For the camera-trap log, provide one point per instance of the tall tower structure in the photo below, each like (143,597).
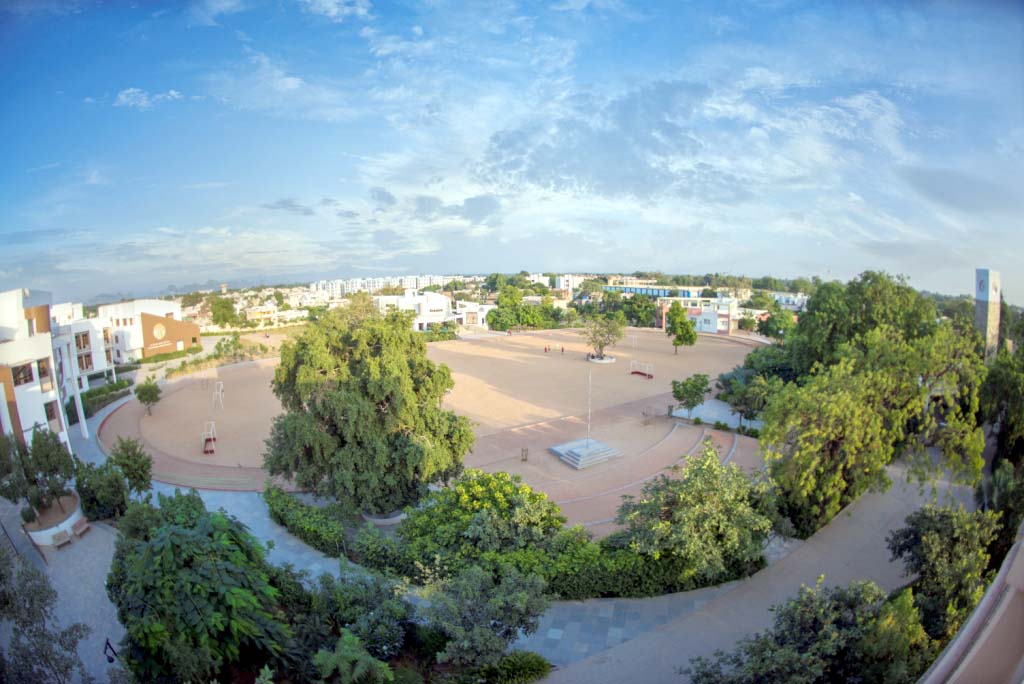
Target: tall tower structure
(987,296)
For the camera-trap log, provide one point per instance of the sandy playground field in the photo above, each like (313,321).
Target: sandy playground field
(517,395)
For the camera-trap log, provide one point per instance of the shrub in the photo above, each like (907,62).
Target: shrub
(426,641)
(403,675)
(483,615)
(370,607)
(102,490)
(480,513)
(698,421)
(518,667)
(312,525)
(28,514)
(719,425)
(382,553)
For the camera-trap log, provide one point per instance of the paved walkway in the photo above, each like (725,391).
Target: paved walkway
(851,547)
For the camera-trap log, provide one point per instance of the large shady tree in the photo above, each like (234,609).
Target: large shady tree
(363,420)
(602,331)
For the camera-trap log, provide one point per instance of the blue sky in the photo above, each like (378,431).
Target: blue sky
(169,143)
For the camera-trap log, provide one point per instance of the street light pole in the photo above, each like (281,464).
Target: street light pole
(590,394)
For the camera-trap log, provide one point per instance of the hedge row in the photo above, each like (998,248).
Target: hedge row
(172,355)
(574,567)
(312,525)
(95,399)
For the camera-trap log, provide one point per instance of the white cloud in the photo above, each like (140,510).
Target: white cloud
(260,84)
(141,99)
(339,10)
(206,12)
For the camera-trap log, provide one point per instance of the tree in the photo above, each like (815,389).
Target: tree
(683,332)
(369,606)
(778,325)
(690,392)
(148,394)
(748,324)
(947,549)
(222,311)
(278,298)
(708,293)
(102,490)
(748,399)
(480,513)
(1002,404)
(571,316)
(1003,493)
(829,441)
(38,474)
(231,614)
(134,463)
(824,635)
(350,663)
(825,445)
(704,515)
(482,615)
(39,651)
(602,331)
(363,420)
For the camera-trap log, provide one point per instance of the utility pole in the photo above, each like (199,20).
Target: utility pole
(590,394)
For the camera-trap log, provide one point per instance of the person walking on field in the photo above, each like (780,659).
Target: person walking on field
(563,350)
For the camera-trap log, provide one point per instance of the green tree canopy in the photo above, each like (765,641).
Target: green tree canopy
(193,595)
(129,456)
(1002,404)
(947,548)
(601,332)
(777,325)
(704,514)
(479,513)
(690,392)
(829,634)
(682,331)
(363,420)
(148,393)
(482,615)
(828,441)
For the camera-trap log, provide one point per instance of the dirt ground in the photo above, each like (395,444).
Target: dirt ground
(517,395)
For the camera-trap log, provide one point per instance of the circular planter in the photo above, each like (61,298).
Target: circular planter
(386,520)
(44,536)
(606,359)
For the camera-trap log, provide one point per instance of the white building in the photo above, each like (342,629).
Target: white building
(472,313)
(569,282)
(87,343)
(794,301)
(429,307)
(148,327)
(28,381)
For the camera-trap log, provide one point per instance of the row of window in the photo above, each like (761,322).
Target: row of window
(23,374)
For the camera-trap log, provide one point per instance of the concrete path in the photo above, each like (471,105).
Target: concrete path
(851,547)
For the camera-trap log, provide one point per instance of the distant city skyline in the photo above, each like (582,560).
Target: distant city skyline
(248,141)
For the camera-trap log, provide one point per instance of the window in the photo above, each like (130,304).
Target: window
(82,341)
(22,374)
(45,381)
(51,410)
(85,362)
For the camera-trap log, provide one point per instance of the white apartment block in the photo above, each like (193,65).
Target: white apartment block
(87,343)
(335,289)
(569,282)
(794,301)
(28,374)
(472,313)
(430,307)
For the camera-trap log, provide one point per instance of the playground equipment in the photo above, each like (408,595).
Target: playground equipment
(218,394)
(209,437)
(640,368)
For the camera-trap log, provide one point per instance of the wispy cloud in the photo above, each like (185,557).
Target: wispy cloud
(291,205)
(338,10)
(206,12)
(137,98)
(261,84)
